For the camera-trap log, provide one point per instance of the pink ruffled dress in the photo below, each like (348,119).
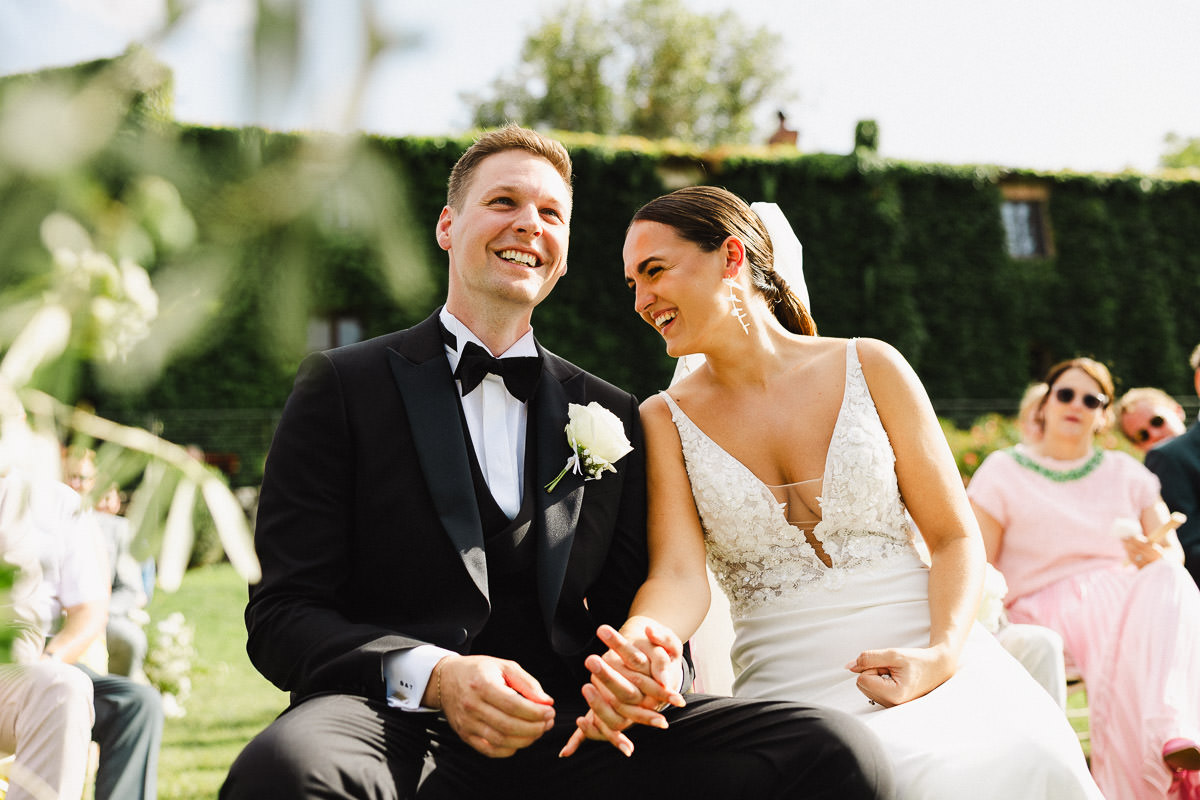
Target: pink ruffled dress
(1133,635)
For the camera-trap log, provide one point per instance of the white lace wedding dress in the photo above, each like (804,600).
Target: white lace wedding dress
(988,732)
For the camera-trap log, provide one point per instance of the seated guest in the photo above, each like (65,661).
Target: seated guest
(72,601)
(45,721)
(125,634)
(1039,649)
(1028,424)
(46,710)
(1081,537)
(1147,416)
(1177,465)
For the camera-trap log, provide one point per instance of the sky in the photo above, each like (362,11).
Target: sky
(1085,85)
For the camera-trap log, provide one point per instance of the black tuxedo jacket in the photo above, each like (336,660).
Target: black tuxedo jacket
(1176,462)
(369,533)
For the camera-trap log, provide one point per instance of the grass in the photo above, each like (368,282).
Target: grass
(230,702)
(1077,714)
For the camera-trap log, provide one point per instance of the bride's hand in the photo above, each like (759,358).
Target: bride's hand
(590,727)
(638,677)
(892,677)
(643,669)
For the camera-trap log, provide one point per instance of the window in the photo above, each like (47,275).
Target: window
(1023,229)
(1026,227)
(333,331)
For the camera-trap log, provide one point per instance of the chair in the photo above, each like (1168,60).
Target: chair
(5,764)
(89,786)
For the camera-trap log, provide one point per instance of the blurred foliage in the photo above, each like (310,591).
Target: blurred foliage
(1180,152)
(973,444)
(134,248)
(866,135)
(7,631)
(206,546)
(651,68)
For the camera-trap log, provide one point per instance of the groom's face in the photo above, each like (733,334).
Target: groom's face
(508,241)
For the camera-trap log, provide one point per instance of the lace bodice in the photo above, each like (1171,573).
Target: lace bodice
(756,555)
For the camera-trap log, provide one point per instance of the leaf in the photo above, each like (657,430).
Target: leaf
(147,508)
(117,464)
(231,525)
(43,339)
(177,537)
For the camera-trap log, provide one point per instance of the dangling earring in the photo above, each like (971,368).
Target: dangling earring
(735,305)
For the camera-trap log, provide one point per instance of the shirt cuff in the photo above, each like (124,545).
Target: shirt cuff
(406,673)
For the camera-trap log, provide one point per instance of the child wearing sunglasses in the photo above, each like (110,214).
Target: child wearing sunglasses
(1084,540)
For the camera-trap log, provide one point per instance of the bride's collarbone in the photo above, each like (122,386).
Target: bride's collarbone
(791,411)
(776,446)
(811,390)
(782,428)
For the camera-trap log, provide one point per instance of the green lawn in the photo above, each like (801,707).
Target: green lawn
(230,701)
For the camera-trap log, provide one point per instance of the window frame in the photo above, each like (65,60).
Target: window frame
(1036,195)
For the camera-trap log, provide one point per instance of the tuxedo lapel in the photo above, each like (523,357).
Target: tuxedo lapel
(556,511)
(423,377)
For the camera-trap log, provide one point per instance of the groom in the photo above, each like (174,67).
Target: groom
(430,603)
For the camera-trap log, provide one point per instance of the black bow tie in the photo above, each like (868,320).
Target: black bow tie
(520,373)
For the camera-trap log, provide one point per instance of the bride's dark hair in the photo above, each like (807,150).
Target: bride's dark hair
(708,215)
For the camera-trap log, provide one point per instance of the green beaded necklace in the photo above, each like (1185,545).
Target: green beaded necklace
(1063,475)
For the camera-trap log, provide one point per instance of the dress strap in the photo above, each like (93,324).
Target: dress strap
(851,358)
(675,409)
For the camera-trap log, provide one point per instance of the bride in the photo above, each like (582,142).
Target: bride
(792,462)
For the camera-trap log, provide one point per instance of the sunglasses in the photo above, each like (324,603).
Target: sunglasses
(1093,401)
(1143,435)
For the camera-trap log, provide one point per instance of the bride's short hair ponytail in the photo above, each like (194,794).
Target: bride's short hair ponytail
(707,216)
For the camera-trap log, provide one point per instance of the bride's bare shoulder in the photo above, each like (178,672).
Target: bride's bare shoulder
(654,405)
(655,410)
(888,374)
(658,424)
(877,356)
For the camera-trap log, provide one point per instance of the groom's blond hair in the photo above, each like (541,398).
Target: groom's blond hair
(510,137)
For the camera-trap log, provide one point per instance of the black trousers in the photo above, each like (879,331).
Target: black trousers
(338,746)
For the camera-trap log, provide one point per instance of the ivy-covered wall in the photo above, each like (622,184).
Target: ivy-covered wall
(910,253)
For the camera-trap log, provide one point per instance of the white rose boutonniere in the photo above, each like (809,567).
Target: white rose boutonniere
(597,440)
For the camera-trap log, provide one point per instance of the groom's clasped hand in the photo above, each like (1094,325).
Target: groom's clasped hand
(493,704)
(638,677)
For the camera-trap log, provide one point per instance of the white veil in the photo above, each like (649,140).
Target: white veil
(789,265)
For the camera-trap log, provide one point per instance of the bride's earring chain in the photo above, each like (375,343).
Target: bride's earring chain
(735,305)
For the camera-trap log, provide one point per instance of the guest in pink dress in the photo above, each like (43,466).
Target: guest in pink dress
(1082,538)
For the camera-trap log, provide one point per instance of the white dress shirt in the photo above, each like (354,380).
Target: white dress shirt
(495,418)
(497,423)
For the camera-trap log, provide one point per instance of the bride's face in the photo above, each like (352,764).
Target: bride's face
(677,286)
